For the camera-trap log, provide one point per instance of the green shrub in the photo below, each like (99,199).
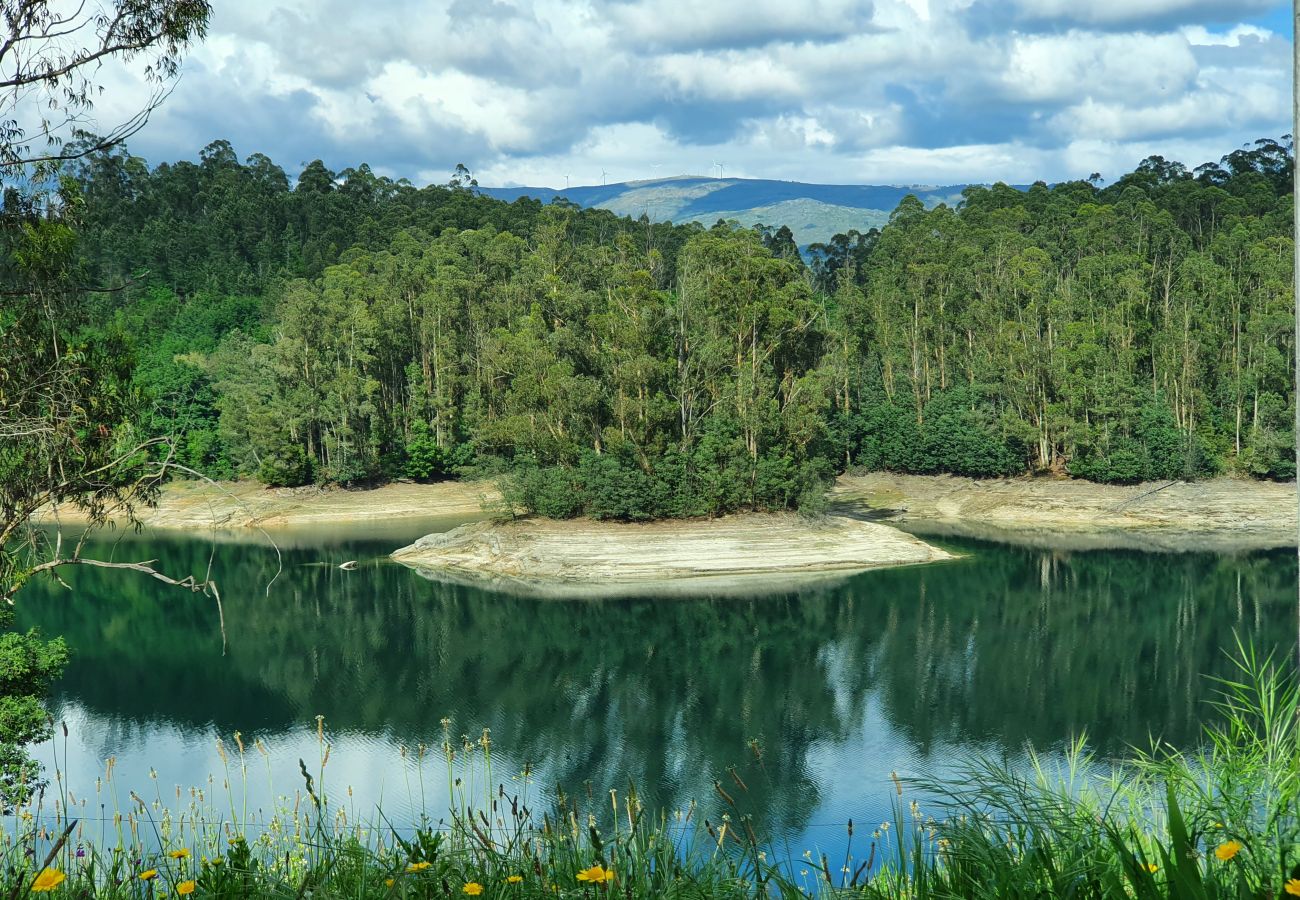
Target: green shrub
(426,460)
(285,466)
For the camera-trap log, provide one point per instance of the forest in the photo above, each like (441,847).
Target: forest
(343,327)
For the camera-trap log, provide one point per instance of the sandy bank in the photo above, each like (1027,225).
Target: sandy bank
(542,556)
(1223,514)
(243,504)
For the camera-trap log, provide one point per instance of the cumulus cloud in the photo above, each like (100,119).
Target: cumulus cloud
(911,91)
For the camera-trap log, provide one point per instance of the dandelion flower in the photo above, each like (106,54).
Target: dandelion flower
(185,887)
(419,866)
(473,888)
(48,880)
(1152,868)
(148,874)
(1292,887)
(388,882)
(595,875)
(1228,850)
(514,879)
(180,854)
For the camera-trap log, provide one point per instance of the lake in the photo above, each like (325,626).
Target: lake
(811,698)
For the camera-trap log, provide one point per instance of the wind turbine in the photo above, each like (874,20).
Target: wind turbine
(720,169)
(603,174)
(566,182)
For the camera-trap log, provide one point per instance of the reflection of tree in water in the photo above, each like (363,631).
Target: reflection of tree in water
(1030,645)
(1011,645)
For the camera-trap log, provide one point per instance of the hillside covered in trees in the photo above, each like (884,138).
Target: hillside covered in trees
(345,327)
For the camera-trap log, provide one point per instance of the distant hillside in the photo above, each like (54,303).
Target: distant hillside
(814,212)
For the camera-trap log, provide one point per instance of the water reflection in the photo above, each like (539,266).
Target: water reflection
(834,686)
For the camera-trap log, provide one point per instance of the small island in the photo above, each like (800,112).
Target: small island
(579,557)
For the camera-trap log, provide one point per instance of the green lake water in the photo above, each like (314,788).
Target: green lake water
(908,670)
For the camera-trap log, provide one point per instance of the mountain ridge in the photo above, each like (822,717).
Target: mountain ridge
(813,212)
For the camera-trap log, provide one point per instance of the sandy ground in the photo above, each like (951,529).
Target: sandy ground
(229,505)
(1223,514)
(583,556)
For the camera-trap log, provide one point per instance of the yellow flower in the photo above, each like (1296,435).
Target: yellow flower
(48,880)
(1152,868)
(388,882)
(180,854)
(514,879)
(1292,887)
(1228,850)
(148,874)
(419,866)
(218,860)
(596,875)
(185,887)
(473,889)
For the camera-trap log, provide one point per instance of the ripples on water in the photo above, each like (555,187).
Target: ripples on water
(907,670)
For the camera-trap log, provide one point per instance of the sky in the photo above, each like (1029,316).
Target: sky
(833,91)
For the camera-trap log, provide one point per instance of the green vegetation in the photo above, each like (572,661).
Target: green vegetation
(349,328)
(69,396)
(1222,822)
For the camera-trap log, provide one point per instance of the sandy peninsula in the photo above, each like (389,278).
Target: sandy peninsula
(542,556)
(1223,514)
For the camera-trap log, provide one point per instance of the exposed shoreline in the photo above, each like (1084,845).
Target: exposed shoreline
(234,505)
(582,557)
(1223,514)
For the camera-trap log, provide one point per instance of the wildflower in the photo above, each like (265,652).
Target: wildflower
(1152,868)
(185,887)
(148,874)
(1228,850)
(419,866)
(1292,887)
(180,854)
(473,888)
(514,879)
(596,875)
(48,880)
(218,860)
(388,882)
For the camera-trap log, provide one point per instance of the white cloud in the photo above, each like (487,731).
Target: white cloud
(730,23)
(1108,12)
(1078,64)
(1200,36)
(527,91)
(1196,112)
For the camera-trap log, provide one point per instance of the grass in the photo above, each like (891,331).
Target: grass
(1219,821)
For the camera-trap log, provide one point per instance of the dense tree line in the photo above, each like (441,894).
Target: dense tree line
(345,327)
